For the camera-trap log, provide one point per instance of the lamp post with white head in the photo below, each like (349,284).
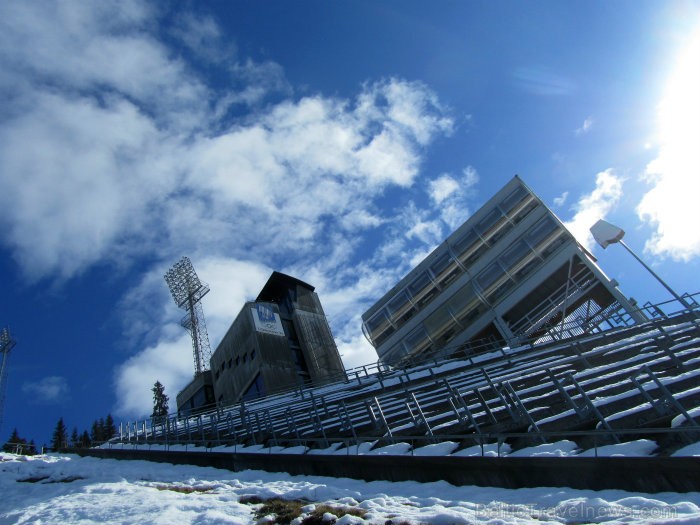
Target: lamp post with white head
(605,234)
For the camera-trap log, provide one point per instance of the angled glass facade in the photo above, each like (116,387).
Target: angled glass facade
(487,280)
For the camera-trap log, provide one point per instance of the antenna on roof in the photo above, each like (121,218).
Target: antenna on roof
(187,291)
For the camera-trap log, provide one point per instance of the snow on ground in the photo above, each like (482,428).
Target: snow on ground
(641,447)
(60,489)
(689,450)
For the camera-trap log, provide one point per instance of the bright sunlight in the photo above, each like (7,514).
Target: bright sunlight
(671,206)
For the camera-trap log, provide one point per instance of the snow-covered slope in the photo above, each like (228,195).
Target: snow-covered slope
(64,489)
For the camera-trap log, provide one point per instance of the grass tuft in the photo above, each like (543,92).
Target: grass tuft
(287,510)
(184,489)
(284,510)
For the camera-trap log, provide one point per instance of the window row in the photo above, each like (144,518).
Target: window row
(239,360)
(492,283)
(459,253)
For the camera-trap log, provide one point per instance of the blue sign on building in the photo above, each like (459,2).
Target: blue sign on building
(265,313)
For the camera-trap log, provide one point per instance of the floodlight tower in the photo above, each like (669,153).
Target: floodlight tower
(187,291)
(6,344)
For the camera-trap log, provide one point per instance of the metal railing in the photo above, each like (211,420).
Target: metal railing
(272,414)
(488,442)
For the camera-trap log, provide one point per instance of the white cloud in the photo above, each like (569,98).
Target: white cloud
(426,231)
(451,195)
(675,173)
(585,127)
(114,150)
(357,351)
(72,156)
(561,200)
(51,389)
(595,205)
(442,187)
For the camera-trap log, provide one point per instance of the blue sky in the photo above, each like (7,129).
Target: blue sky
(337,142)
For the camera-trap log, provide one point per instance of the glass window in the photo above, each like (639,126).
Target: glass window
(514,254)
(445,269)
(469,247)
(463,302)
(422,289)
(513,199)
(552,247)
(465,242)
(441,325)
(400,308)
(490,275)
(417,341)
(255,390)
(499,291)
(523,209)
(493,226)
(378,322)
(395,354)
(540,231)
(489,221)
(379,327)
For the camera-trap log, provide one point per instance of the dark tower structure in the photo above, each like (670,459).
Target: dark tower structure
(279,341)
(187,291)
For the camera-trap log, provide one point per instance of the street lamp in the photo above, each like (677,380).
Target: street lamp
(605,234)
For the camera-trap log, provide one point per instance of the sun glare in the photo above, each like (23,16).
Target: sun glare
(680,109)
(675,172)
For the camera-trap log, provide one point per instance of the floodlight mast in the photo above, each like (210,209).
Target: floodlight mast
(6,344)
(606,234)
(187,291)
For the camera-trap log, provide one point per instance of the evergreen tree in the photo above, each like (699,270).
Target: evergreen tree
(96,432)
(110,427)
(160,402)
(59,439)
(31,450)
(74,438)
(101,430)
(85,440)
(15,443)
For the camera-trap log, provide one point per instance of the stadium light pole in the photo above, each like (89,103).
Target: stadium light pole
(605,234)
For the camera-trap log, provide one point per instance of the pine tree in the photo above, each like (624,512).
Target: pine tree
(110,427)
(14,444)
(74,438)
(96,432)
(85,440)
(59,439)
(160,402)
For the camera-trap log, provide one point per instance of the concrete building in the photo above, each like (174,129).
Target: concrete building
(197,395)
(279,341)
(511,272)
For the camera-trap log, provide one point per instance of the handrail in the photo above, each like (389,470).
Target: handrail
(601,437)
(378,371)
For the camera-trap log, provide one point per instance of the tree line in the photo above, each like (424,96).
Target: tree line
(19,445)
(102,430)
